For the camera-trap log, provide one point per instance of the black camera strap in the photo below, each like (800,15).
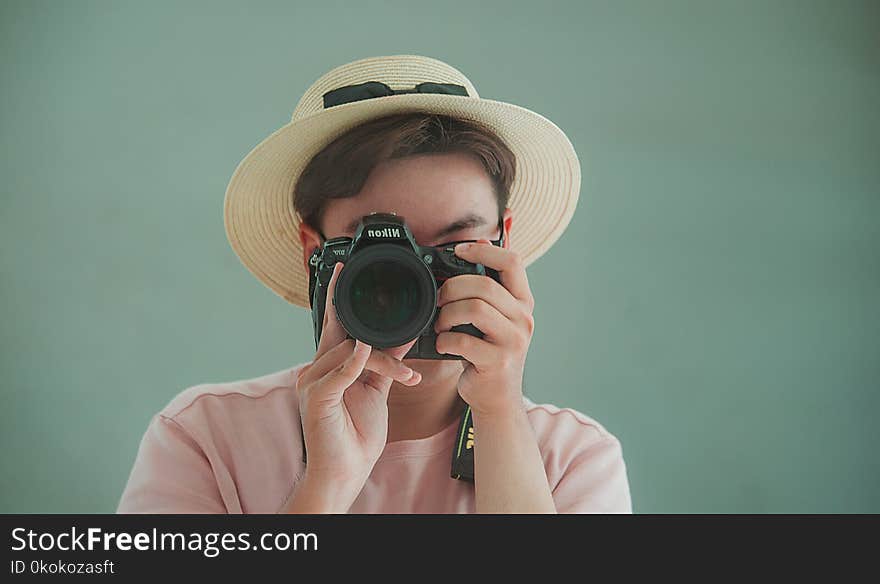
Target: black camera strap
(463,450)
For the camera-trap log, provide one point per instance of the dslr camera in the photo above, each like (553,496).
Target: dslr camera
(386,295)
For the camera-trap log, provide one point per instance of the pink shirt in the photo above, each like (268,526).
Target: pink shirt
(236,448)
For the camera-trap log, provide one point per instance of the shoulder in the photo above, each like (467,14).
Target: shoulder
(551,420)
(220,446)
(228,398)
(583,460)
(566,434)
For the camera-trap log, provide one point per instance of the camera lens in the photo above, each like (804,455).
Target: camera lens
(385,295)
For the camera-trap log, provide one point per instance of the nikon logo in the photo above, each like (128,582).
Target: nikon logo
(384,232)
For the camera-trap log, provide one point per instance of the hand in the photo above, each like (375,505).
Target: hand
(343,397)
(491,382)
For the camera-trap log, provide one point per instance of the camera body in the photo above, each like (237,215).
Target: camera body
(387,294)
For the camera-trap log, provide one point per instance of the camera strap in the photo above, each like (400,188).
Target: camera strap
(463,450)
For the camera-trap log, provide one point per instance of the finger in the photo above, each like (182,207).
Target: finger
(495,326)
(379,362)
(332,332)
(376,382)
(476,286)
(506,262)
(330,360)
(382,383)
(337,380)
(300,372)
(386,370)
(395,354)
(480,353)
(388,367)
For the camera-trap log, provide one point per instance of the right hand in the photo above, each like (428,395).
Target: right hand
(343,400)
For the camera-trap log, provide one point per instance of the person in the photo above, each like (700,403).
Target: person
(378,428)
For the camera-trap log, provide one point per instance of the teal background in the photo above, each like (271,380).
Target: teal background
(714,302)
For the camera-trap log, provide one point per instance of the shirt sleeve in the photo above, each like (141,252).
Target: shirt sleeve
(171,474)
(595,481)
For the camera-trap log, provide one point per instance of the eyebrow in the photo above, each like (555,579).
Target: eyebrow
(468,221)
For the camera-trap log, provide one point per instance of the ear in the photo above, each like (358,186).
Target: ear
(310,239)
(508,221)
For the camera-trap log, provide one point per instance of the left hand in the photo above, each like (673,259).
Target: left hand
(492,379)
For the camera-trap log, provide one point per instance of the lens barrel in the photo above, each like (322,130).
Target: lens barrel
(385,296)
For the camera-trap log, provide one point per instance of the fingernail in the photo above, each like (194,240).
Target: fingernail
(462,247)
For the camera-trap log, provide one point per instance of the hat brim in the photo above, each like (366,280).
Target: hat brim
(262,225)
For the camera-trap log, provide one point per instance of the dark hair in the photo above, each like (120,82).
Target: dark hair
(340,169)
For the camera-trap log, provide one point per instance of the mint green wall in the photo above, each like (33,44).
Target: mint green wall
(714,302)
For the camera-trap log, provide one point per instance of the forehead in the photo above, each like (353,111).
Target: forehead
(428,191)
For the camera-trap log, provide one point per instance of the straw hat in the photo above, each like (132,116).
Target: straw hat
(262,225)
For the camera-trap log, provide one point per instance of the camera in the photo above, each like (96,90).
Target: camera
(386,295)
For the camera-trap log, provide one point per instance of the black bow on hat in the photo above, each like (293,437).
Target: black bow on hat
(372,89)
